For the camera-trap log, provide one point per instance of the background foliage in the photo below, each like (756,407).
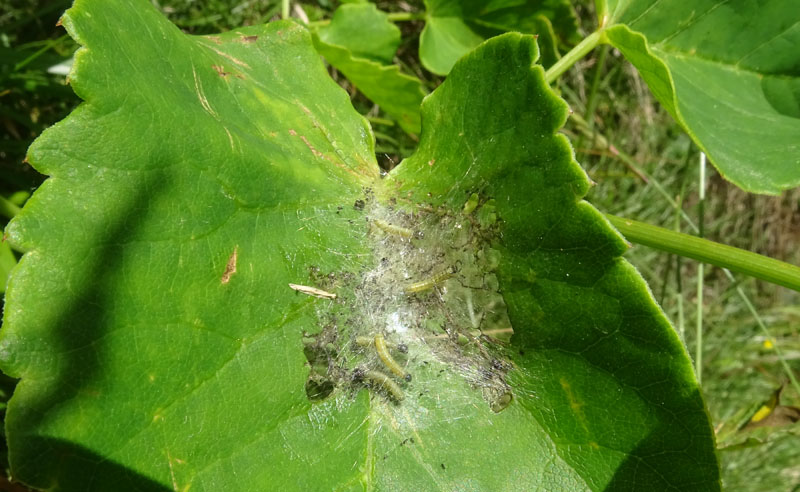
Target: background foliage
(740,367)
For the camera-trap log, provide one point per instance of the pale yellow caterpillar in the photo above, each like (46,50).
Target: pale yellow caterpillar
(428,283)
(363,341)
(386,357)
(379,379)
(368,342)
(393,229)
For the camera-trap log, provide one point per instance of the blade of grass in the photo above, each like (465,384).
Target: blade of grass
(678,276)
(591,100)
(40,52)
(380,121)
(7,208)
(698,358)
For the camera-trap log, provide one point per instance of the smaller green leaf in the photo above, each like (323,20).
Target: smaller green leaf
(357,42)
(364,30)
(728,75)
(443,41)
(454,27)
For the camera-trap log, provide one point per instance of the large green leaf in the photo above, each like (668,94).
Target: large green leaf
(161,348)
(454,27)
(358,41)
(729,72)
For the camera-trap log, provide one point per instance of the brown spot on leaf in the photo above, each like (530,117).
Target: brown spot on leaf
(230,268)
(58,23)
(248,39)
(220,71)
(313,150)
(231,58)
(432,162)
(321,155)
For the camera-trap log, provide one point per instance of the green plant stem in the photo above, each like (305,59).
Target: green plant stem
(565,62)
(7,208)
(284,9)
(405,16)
(380,121)
(721,255)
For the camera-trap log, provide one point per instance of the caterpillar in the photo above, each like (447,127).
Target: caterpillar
(386,357)
(379,379)
(363,341)
(393,229)
(368,342)
(428,283)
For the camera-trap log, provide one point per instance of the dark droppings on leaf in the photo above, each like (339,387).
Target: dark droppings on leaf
(443,467)
(359,205)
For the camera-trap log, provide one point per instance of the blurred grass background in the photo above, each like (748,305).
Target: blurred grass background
(740,367)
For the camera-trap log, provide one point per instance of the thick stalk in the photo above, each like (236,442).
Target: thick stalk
(284,9)
(721,255)
(565,62)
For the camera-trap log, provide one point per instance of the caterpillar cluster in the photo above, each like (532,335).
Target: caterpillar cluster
(430,289)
